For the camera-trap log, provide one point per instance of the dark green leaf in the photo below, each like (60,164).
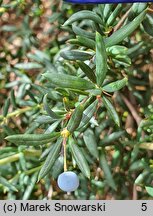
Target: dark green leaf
(68,81)
(106,169)
(13,100)
(6,107)
(48,109)
(79,31)
(118,36)
(79,158)
(74,55)
(111,138)
(112,18)
(108,8)
(89,43)
(115,86)
(101,59)
(88,114)
(87,70)
(30,187)
(33,139)
(50,160)
(28,66)
(90,141)
(148,24)
(83,14)
(7,184)
(111,110)
(75,118)
(58,167)
(149,190)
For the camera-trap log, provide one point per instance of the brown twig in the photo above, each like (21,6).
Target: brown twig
(135,194)
(150,10)
(120,23)
(133,111)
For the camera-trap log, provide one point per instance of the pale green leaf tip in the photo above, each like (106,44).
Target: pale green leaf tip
(39,177)
(88,176)
(64,24)
(118,124)
(115,188)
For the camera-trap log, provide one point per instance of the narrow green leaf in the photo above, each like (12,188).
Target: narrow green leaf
(80,92)
(79,31)
(87,70)
(48,109)
(89,101)
(88,114)
(138,165)
(68,81)
(13,100)
(32,96)
(28,66)
(55,16)
(111,110)
(111,138)
(6,107)
(30,187)
(115,86)
(7,184)
(141,177)
(53,126)
(112,18)
(149,190)
(50,160)
(89,43)
(100,10)
(137,8)
(106,169)
(5,149)
(90,141)
(108,8)
(58,167)
(90,160)
(148,24)
(117,50)
(44,119)
(125,31)
(83,14)
(75,118)
(9,28)
(101,59)
(33,139)
(79,158)
(45,153)
(74,55)
(22,161)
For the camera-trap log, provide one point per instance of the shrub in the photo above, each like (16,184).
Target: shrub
(81,101)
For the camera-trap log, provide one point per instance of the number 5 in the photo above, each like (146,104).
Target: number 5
(144,207)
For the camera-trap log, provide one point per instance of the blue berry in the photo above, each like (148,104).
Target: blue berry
(68,181)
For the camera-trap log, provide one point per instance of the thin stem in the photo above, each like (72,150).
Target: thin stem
(19,111)
(15,157)
(64,146)
(27,172)
(120,23)
(132,109)
(10,159)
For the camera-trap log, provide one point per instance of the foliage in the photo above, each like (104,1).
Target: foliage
(76,94)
